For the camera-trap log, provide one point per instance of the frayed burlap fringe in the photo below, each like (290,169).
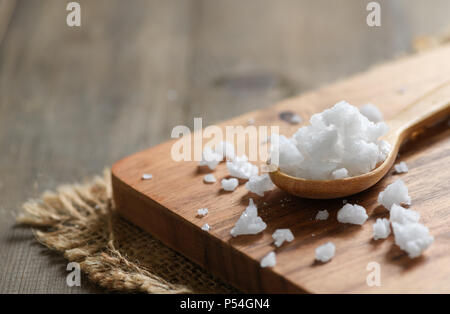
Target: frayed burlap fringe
(80,221)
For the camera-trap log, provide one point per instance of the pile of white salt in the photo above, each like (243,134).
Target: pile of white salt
(339,143)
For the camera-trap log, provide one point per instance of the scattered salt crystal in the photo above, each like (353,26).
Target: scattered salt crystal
(290,117)
(241,168)
(413,238)
(344,201)
(259,184)
(353,214)
(340,173)
(206,227)
(281,235)
(251,121)
(229,184)
(210,158)
(325,252)
(146,176)
(395,193)
(322,215)
(403,216)
(209,178)
(371,112)
(340,137)
(202,212)
(269,260)
(249,222)
(381,229)
(401,167)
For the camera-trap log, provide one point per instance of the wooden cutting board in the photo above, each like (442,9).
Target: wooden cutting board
(166,206)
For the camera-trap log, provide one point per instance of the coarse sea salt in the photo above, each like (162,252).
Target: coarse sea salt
(241,168)
(229,184)
(249,222)
(281,235)
(206,227)
(202,212)
(353,214)
(322,215)
(212,157)
(413,238)
(402,215)
(340,173)
(395,193)
(371,112)
(401,167)
(209,178)
(381,229)
(146,176)
(325,252)
(337,138)
(259,184)
(269,260)
(225,150)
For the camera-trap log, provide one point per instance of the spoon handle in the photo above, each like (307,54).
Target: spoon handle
(428,109)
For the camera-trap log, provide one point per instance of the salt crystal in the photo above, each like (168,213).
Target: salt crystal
(338,138)
(241,168)
(229,184)
(371,112)
(281,235)
(401,167)
(322,215)
(249,222)
(395,193)
(269,260)
(210,158)
(344,201)
(325,252)
(381,229)
(209,178)
(206,227)
(403,216)
(340,173)
(202,212)
(259,184)
(353,214)
(251,121)
(413,238)
(146,176)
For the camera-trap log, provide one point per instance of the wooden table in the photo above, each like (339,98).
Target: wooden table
(73,100)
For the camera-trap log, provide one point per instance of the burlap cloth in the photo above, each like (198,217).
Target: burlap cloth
(80,221)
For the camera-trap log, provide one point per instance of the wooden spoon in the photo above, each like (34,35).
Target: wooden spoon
(431,108)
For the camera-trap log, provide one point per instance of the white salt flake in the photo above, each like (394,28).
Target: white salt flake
(322,215)
(325,252)
(251,121)
(269,260)
(259,184)
(402,215)
(229,184)
(381,229)
(413,238)
(249,222)
(395,193)
(401,167)
(206,227)
(337,138)
(210,158)
(371,112)
(241,168)
(146,176)
(209,178)
(202,212)
(340,173)
(281,235)
(353,214)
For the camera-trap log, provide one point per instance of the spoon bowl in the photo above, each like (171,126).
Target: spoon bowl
(432,107)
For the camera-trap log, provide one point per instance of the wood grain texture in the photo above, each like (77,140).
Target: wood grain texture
(166,205)
(73,100)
